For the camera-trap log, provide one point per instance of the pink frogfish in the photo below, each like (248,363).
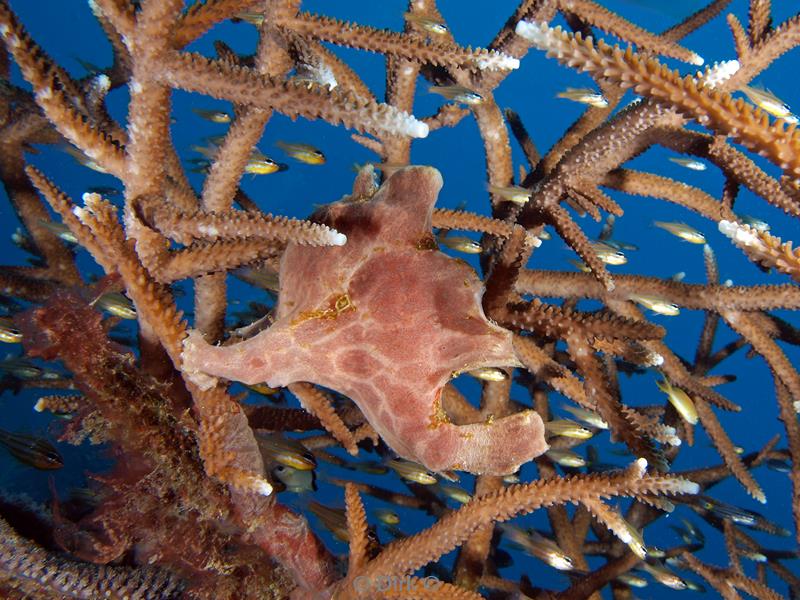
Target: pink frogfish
(385,319)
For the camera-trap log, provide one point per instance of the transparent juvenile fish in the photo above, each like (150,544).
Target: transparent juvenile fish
(460,243)
(427,23)
(9,332)
(60,230)
(584,96)
(634,539)
(294,480)
(689,534)
(332,518)
(608,254)
(305,153)
(264,279)
(632,580)
(538,546)
(22,368)
(580,265)
(740,516)
(370,467)
(82,159)
(754,222)
(117,304)
(664,576)
(254,18)
(215,116)
(387,516)
(286,451)
(657,304)
(566,458)
(489,374)
(689,163)
(778,465)
(587,416)
(680,400)
(455,493)
(769,102)
(411,471)
(457,93)
(104,190)
(568,428)
(514,193)
(620,245)
(682,230)
(31,450)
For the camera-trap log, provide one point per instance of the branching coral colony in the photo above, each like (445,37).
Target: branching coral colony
(369,308)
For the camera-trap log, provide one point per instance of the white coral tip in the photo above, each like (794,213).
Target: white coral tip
(263,487)
(418,129)
(338,239)
(687,487)
(533,32)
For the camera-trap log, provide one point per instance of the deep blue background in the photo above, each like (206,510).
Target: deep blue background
(67,31)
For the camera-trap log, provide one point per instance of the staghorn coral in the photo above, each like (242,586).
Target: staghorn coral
(194,492)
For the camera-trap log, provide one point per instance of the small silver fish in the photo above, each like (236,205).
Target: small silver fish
(689,163)
(568,428)
(566,458)
(587,416)
(263,278)
(215,116)
(31,450)
(664,576)
(514,193)
(253,18)
(411,471)
(682,230)
(60,230)
(427,23)
(608,254)
(21,368)
(9,332)
(460,243)
(294,480)
(286,451)
(455,493)
(538,546)
(632,580)
(769,102)
(457,93)
(334,519)
(488,374)
(302,152)
(116,304)
(754,222)
(387,516)
(82,159)
(584,96)
(657,304)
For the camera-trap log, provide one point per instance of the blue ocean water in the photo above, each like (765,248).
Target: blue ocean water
(68,32)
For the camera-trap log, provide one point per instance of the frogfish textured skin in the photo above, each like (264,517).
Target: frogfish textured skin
(386,319)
